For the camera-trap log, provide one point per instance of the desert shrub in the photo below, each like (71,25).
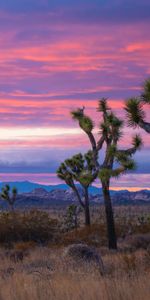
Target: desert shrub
(25,246)
(32,225)
(139,241)
(132,224)
(129,262)
(94,235)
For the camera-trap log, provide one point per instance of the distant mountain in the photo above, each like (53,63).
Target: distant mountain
(27,187)
(44,199)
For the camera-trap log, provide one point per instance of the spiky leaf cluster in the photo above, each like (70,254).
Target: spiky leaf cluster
(145,96)
(85,122)
(80,168)
(126,163)
(111,127)
(135,108)
(103,106)
(9,196)
(65,175)
(137,142)
(134,111)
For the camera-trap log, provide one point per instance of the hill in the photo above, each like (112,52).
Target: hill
(40,197)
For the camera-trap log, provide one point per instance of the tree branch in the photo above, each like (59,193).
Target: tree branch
(100,143)
(145,126)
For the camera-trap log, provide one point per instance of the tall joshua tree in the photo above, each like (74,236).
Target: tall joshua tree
(116,161)
(135,108)
(79,169)
(9,196)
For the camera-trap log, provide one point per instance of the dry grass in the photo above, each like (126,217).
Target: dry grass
(29,287)
(46,274)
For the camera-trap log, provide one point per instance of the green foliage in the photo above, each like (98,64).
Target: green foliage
(103,106)
(111,151)
(104,174)
(104,129)
(79,168)
(71,218)
(111,127)
(117,172)
(146,91)
(125,161)
(86,124)
(8,195)
(85,178)
(64,174)
(135,108)
(135,112)
(137,141)
(77,114)
(90,160)
(129,165)
(114,121)
(121,157)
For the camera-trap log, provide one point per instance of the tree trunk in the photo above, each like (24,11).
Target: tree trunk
(87,209)
(112,240)
(76,221)
(11,207)
(78,196)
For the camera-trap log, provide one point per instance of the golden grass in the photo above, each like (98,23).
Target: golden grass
(46,274)
(24,287)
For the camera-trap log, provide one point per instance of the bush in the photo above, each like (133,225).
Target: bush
(139,241)
(95,235)
(24,246)
(32,225)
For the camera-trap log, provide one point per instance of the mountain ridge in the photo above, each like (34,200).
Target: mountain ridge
(39,197)
(28,186)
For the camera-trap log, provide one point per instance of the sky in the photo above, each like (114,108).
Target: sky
(58,55)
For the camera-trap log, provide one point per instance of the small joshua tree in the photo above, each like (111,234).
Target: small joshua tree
(9,196)
(135,108)
(115,161)
(79,169)
(71,218)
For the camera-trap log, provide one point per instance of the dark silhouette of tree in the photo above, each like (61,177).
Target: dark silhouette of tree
(135,108)
(79,169)
(116,161)
(9,196)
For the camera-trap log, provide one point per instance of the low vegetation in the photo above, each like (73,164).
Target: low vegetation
(31,225)
(35,262)
(46,273)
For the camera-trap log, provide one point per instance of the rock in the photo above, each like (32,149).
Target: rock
(86,254)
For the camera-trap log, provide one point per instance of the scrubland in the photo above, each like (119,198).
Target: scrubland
(33,263)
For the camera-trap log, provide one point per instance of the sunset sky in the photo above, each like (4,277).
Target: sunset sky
(57,55)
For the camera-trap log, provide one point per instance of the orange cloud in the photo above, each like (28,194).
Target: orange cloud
(138,47)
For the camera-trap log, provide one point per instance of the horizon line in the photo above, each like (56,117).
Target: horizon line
(130,189)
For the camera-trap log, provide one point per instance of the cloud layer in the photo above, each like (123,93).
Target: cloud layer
(59,55)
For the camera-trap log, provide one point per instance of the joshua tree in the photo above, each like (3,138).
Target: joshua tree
(79,169)
(115,162)
(135,108)
(9,196)
(71,218)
